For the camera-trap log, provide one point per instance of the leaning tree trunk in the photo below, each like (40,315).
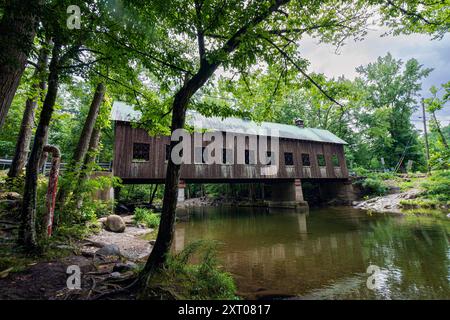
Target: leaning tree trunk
(88,128)
(152,196)
(438,129)
(17,32)
(181,100)
(164,239)
(23,141)
(27,231)
(44,157)
(166,227)
(90,158)
(83,144)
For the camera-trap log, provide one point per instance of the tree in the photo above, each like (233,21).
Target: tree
(81,150)
(440,151)
(24,138)
(235,36)
(17,31)
(416,16)
(66,51)
(390,97)
(27,231)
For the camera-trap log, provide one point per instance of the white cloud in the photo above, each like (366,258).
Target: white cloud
(431,53)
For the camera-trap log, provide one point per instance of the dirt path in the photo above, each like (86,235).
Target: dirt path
(47,280)
(131,243)
(42,280)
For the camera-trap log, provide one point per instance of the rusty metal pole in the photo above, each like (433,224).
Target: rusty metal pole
(52,187)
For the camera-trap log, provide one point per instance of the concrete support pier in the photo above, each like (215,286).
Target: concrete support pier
(287,194)
(338,192)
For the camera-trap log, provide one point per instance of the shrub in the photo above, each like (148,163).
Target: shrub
(147,217)
(205,280)
(438,186)
(373,186)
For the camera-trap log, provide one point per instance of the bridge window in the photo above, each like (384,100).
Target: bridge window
(335,160)
(321,160)
(288,159)
(305,160)
(141,151)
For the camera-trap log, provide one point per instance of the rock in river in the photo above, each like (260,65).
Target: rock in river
(115,223)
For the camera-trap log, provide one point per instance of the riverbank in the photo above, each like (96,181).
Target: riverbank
(417,194)
(109,263)
(388,203)
(106,260)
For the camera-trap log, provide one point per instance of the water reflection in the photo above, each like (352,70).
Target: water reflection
(325,253)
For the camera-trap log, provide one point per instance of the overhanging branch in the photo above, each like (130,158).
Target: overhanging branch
(310,79)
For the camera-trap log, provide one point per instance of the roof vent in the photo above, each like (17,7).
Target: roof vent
(299,123)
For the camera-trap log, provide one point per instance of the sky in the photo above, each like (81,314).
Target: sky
(431,53)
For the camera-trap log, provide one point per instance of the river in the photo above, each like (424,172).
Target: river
(325,253)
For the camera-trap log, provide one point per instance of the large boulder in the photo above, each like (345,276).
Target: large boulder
(115,223)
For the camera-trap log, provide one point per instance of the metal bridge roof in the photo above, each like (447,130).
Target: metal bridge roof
(124,112)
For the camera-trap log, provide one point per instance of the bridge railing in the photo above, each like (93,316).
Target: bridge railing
(6,163)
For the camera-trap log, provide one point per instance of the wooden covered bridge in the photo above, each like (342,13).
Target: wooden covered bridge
(304,154)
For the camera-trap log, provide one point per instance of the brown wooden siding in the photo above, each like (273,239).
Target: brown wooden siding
(155,169)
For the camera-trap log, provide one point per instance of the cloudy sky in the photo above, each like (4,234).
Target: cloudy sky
(431,53)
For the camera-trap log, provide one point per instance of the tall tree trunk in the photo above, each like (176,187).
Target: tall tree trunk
(152,197)
(163,243)
(27,231)
(93,146)
(17,32)
(83,144)
(166,227)
(88,128)
(44,157)
(90,158)
(438,129)
(181,100)
(23,141)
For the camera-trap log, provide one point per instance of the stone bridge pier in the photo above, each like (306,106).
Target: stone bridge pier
(287,194)
(338,192)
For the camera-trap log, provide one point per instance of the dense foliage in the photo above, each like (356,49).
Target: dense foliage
(146,217)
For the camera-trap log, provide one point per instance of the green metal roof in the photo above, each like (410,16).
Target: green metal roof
(124,112)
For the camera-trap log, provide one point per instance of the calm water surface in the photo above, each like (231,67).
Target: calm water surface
(325,253)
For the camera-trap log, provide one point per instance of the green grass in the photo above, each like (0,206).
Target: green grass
(421,203)
(182,279)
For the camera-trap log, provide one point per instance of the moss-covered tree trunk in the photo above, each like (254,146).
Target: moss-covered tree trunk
(24,138)
(90,158)
(17,32)
(27,231)
(82,147)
